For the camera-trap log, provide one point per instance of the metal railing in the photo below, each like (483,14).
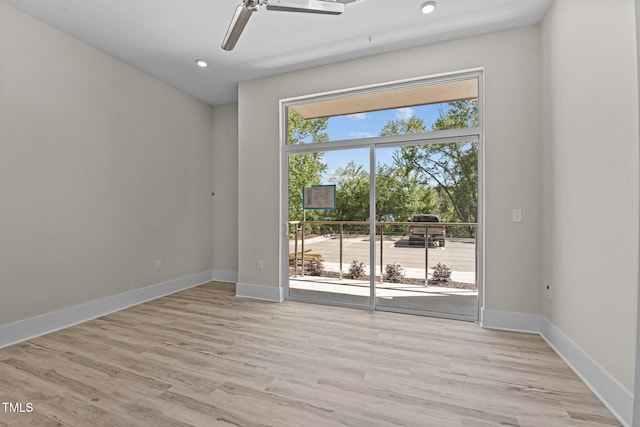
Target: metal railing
(299,231)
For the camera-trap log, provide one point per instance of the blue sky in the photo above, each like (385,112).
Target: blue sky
(363,125)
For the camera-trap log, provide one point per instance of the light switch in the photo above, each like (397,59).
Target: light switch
(516,215)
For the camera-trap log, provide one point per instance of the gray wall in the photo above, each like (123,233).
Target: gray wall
(103,170)
(225,186)
(590,175)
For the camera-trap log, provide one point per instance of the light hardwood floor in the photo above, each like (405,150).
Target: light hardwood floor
(203,357)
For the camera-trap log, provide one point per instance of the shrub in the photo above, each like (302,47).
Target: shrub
(356,270)
(314,267)
(441,273)
(393,273)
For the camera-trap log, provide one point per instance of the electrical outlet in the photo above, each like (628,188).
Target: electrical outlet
(158,264)
(548,292)
(259,264)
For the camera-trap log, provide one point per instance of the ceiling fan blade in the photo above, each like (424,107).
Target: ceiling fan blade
(326,7)
(238,22)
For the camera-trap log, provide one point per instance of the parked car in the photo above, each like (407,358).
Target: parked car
(435,233)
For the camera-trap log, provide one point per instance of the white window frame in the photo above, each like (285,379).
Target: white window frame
(424,138)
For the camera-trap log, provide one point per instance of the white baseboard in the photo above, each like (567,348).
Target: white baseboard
(510,321)
(265,293)
(608,389)
(225,276)
(612,394)
(23,330)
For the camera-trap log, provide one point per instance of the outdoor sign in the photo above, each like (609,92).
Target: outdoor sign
(319,197)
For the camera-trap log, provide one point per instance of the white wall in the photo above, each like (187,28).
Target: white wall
(225,186)
(512,88)
(590,172)
(103,169)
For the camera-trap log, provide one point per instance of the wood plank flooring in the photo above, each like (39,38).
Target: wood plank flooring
(202,357)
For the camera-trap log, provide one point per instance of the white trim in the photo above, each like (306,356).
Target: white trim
(259,292)
(480,228)
(26,329)
(602,384)
(372,227)
(384,86)
(431,137)
(636,386)
(510,321)
(612,394)
(225,276)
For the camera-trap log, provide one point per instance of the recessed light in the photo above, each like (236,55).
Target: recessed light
(201,63)
(428,7)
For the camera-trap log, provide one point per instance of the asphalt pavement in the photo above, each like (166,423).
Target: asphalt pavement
(458,254)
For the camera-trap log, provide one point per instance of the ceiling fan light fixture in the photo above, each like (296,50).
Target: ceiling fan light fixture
(238,22)
(326,7)
(428,7)
(244,11)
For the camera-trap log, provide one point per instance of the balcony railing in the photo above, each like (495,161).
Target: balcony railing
(399,230)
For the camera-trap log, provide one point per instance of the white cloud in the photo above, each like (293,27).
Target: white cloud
(361,135)
(404,113)
(357,116)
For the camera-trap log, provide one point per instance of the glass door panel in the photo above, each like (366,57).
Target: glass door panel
(329,257)
(426,212)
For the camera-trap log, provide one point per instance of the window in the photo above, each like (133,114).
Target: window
(403,111)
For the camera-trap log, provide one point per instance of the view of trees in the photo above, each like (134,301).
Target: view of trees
(451,169)
(437,178)
(305,169)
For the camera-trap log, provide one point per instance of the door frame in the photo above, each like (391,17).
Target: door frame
(432,137)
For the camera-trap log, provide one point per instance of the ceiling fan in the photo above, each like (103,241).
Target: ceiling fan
(245,10)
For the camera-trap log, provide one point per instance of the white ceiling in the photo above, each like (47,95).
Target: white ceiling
(164,37)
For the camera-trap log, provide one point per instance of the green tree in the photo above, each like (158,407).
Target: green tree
(459,115)
(399,194)
(403,126)
(300,130)
(449,168)
(305,169)
(352,193)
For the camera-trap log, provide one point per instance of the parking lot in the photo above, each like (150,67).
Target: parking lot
(458,254)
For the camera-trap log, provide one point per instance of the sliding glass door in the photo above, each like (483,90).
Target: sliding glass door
(423,239)
(329,252)
(382,206)
(426,207)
